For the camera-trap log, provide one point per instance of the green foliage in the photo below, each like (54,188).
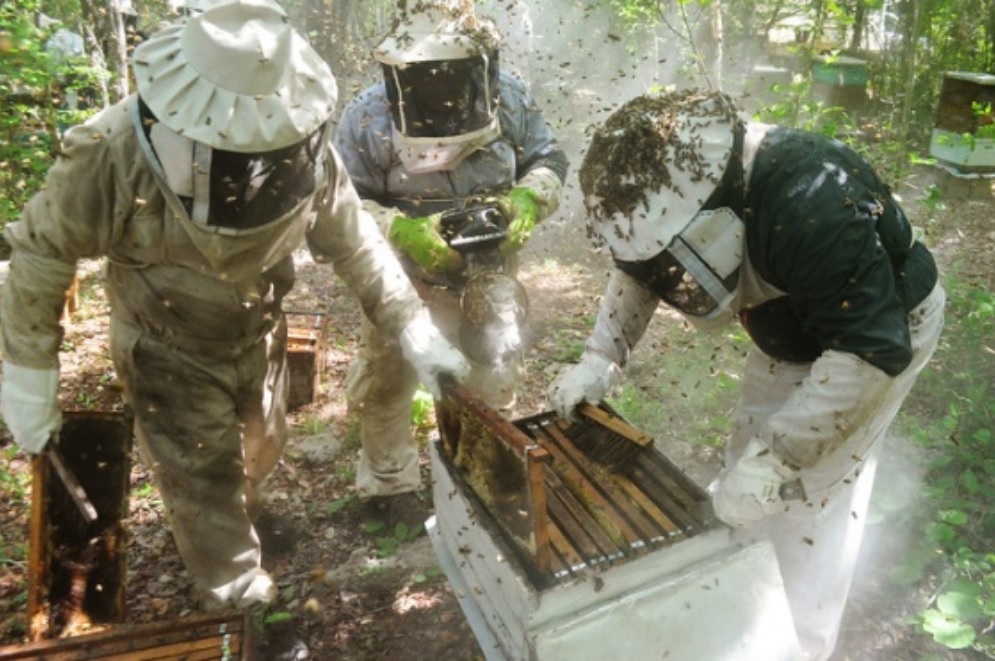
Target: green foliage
(569,344)
(795,107)
(389,541)
(422,408)
(34,85)
(277,617)
(14,495)
(312,424)
(696,386)
(340,504)
(430,574)
(957,523)
(636,13)
(985,118)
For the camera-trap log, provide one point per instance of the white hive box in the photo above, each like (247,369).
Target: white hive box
(684,591)
(964,133)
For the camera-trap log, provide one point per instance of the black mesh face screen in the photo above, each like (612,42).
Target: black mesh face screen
(668,280)
(673,284)
(688,296)
(442,98)
(251,190)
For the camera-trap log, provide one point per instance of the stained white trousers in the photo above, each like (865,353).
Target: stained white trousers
(211,429)
(381,385)
(817,543)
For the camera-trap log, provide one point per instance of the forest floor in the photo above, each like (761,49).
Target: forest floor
(359,595)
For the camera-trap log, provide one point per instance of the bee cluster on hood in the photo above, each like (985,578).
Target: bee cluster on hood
(633,152)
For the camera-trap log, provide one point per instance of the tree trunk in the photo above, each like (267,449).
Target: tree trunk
(859,24)
(718,33)
(911,50)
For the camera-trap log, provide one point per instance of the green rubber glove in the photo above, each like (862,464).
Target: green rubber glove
(419,239)
(521,207)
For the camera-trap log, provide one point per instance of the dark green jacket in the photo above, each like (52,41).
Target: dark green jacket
(824,229)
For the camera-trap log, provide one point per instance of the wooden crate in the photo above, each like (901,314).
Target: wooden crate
(224,636)
(77,569)
(306,333)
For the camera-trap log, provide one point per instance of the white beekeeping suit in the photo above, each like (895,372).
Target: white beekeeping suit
(197,191)
(794,235)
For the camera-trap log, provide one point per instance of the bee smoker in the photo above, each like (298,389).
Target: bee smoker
(493,303)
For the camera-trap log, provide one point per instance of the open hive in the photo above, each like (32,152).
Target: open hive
(560,510)
(554,555)
(77,567)
(77,561)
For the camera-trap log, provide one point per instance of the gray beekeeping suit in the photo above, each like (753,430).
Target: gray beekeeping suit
(197,333)
(396,173)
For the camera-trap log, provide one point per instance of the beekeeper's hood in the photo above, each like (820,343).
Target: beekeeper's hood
(235,76)
(663,186)
(233,118)
(440,67)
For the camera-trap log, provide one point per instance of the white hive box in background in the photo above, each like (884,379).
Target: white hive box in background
(964,132)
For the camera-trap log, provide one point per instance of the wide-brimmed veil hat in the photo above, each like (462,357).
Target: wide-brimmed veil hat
(236,77)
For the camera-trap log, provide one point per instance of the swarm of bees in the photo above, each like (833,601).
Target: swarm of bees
(633,151)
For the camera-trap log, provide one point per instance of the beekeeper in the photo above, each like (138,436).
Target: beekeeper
(794,234)
(444,128)
(197,190)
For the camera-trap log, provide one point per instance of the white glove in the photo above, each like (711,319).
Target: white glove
(430,354)
(29,403)
(750,490)
(587,381)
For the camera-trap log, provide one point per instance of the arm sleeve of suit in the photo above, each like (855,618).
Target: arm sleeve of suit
(346,235)
(862,327)
(624,314)
(542,163)
(362,142)
(832,237)
(70,218)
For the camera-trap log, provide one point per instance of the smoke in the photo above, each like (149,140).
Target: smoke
(581,62)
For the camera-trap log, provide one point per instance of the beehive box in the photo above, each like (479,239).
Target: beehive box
(965,152)
(840,81)
(554,557)
(959,92)
(222,636)
(963,135)
(840,71)
(306,333)
(77,568)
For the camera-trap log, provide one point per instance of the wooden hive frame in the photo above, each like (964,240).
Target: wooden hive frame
(224,636)
(77,568)
(306,337)
(561,512)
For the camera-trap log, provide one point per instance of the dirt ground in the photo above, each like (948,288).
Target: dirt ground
(353,595)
